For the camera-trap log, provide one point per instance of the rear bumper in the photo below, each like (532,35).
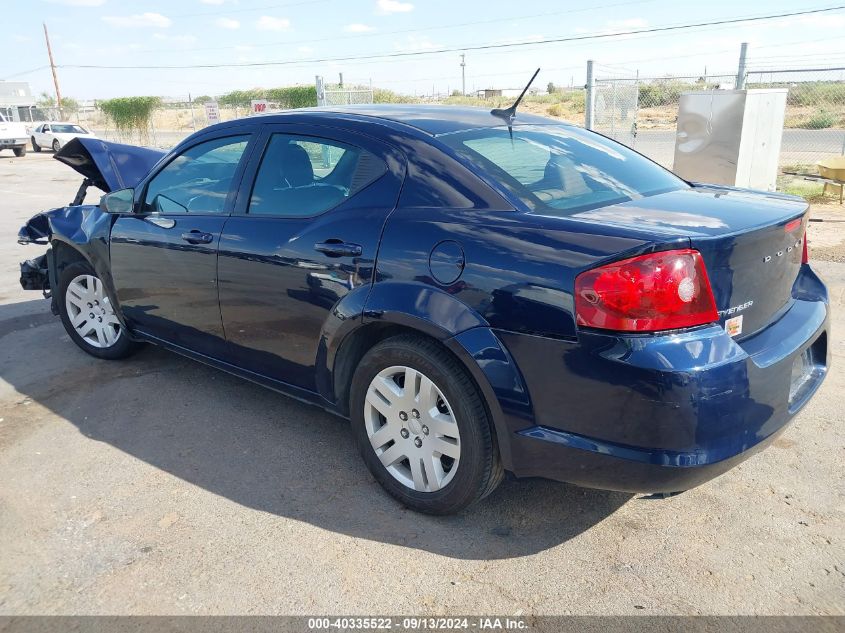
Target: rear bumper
(13,143)
(666,413)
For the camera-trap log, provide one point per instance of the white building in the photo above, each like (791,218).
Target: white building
(17,102)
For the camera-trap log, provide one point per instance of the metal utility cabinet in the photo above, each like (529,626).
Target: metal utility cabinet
(730,137)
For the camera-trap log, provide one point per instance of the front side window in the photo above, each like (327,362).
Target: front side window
(561,170)
(199,179)
(302,176)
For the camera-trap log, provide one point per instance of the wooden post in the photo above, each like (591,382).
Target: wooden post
(53,68)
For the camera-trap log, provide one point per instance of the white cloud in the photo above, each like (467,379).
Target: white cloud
(415,43)
(358,28)
(630,23)
(176,39)
(305,49)
(151,20)
(268,23)
(227,23)
(394,6)
(79,3)
(824,21)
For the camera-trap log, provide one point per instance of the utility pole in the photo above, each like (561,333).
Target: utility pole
(740,71)
(53,68)
(341,80)
(463,74)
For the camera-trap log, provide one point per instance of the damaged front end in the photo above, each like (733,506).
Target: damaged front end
(83,228)
(35,275)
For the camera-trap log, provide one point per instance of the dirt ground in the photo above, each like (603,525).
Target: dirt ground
(826,235)
(160,486)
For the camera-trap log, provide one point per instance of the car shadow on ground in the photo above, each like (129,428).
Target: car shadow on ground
(268,452)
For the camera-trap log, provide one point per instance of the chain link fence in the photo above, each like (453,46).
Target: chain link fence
(642,112)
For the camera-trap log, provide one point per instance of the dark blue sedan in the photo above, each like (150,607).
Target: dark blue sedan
(477,295)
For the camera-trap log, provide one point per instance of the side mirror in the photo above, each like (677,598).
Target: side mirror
(120,201)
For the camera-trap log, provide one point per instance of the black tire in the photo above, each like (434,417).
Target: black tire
(121,348)
(56,146)
(479,469)
(35,146)
(20,152)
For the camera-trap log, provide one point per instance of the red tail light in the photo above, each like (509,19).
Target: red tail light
(660,291)
(805,255)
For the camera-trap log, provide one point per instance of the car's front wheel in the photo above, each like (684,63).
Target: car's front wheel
(88,315)
(421,426)
(35,146)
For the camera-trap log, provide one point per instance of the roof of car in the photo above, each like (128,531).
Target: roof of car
(432,119)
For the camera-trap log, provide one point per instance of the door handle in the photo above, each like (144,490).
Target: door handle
(197,237)
(338,248)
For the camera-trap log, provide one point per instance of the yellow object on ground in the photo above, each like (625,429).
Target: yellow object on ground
(833,169)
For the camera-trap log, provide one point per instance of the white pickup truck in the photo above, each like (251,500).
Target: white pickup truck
(13,136)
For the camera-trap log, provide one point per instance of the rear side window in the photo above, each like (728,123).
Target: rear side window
(302,176)
(562,170)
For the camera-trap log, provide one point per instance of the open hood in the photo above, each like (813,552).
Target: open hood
(109,166)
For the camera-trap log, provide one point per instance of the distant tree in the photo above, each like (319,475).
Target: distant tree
(550,88)
(203,99)
(457,93)
(69,105)
(46,100)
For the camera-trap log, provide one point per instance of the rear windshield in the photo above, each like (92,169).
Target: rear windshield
(562,170)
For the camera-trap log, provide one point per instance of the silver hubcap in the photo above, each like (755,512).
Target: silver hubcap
(412,429)
(91,312)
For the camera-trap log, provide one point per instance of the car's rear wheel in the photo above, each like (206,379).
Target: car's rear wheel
(56,145)
(421,426)
(88,315)
(20,152)
(35,146)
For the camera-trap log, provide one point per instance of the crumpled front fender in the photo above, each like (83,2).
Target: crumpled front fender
(80,226)
(85,229)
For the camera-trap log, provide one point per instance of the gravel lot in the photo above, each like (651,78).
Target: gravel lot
(160,486)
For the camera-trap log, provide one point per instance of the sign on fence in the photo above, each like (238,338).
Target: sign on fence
(259,106)
(212,112)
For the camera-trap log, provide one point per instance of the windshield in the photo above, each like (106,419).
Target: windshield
(562,169)
(68,129)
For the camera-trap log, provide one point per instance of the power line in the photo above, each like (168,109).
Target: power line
(25,72)
(490,46)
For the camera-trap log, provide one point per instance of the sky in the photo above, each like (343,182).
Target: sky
(309,36)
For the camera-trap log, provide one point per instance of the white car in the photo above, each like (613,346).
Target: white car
(54,135)
(12,136)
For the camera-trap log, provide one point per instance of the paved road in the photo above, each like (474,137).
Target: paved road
(797,146)
(157,485)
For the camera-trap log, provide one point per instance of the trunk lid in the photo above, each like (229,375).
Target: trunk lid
(109,166)
(751,243)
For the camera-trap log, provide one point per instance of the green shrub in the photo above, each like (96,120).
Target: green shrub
(130,114)
(293,96)
(382,95)
(662,93)
(819,121)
